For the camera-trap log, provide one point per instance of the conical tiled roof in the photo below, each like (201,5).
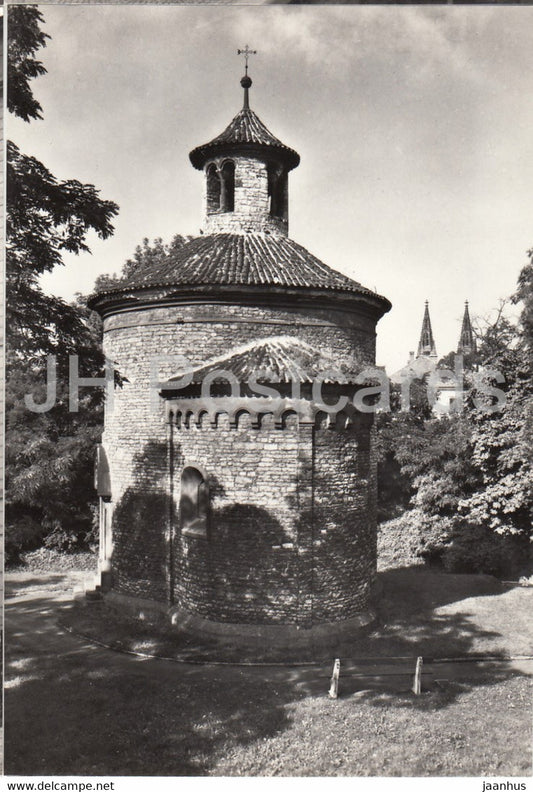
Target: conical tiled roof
(280,359)
(241,260)
(248,131)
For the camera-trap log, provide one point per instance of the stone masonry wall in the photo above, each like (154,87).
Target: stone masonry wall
(251,210)
(345,521)
(246,569)
(200,332)
(135,439)
(291,537)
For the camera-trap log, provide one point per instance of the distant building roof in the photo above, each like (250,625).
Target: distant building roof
(240,260)
(417,368)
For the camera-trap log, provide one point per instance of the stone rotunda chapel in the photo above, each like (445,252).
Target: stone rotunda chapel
(232,501)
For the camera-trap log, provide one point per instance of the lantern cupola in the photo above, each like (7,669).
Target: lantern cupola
(246,176)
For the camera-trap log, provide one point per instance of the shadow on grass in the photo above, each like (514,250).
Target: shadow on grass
(76,708)
(408,624)
(73,707)
(23,583)
(409,589)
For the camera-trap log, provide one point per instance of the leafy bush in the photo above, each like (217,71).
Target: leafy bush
(398,542)
(81,535)
(478,549)
(22,533)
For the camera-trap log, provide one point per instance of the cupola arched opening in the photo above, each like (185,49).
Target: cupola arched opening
(194,502)
(213,189)
(227,196)
(277,191)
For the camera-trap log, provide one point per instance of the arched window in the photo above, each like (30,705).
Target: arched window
(227,198)
(213,189)
(277,191)
(194,502)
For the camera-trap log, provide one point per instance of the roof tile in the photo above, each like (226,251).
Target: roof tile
(280,359)
(245,129)
(240,260)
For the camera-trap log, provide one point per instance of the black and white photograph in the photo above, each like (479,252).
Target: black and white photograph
(269,394)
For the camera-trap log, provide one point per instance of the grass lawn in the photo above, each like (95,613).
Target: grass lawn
(76,708)
(456,731)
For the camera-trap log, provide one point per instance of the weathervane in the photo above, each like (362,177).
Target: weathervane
(246,52)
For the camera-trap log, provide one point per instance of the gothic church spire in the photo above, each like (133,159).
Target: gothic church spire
(467,339)
(426,345)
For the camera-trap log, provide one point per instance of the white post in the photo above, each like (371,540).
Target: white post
(417,683)
(334,687)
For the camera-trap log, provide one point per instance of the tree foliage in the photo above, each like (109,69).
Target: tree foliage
(49,455)
(466,479)
(25,38)
(49,491)
(146,254)
(45,217)
(524,295)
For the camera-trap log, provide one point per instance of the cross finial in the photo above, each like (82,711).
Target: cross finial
(246,82)
(246,52)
